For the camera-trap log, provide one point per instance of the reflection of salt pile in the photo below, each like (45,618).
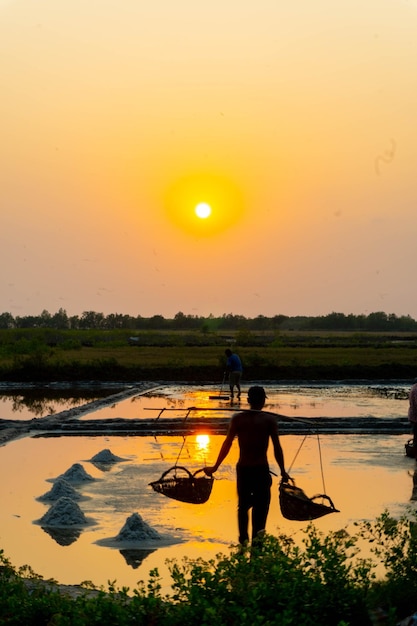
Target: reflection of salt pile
(61,489)
(65,512)
(106,456)
(63,536)
(135,529)
(134,558)
(76,474)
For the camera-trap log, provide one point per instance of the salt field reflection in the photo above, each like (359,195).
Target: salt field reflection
(363,474)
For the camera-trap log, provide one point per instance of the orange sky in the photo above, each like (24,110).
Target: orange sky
(296,122)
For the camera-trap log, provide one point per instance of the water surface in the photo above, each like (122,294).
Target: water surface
(363,474)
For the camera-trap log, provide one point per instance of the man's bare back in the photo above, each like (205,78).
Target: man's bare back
(253,430)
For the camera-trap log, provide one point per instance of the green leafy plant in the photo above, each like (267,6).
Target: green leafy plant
(394,544)
(322,580)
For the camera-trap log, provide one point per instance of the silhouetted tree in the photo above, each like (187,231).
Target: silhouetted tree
(7,320)
(60,320)
(91,319)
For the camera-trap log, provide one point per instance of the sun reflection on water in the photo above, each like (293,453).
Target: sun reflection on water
(202,441)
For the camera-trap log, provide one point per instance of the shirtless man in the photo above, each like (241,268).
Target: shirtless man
(253,429)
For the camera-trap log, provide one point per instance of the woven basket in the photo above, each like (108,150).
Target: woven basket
(295,505)
(409,449)
(186,488)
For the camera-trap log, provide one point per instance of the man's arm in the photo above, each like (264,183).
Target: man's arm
(224,451)
(279,455)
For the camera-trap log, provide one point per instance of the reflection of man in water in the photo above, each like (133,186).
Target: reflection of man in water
(253,429)
(412,413)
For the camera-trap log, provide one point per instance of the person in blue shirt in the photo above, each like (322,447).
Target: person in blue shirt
(235,369)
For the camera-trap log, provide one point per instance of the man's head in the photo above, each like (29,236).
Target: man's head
(228,352)
(256,397)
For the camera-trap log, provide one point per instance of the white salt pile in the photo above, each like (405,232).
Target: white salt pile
(76,474)
(136,533)
(106,456)
(61,489)
(65,512)
(136,529)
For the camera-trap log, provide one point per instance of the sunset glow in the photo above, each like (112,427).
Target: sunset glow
(182,203)
(297,129)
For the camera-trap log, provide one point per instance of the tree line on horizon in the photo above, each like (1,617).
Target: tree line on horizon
(92,320)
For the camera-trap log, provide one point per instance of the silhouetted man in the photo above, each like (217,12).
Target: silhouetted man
(253,430)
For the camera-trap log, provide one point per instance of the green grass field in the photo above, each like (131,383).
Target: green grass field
(42,354)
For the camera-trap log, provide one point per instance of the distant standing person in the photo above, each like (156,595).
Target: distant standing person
(235,369)
(412,413)
(253,430)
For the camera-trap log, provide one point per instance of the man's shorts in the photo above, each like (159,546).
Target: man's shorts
(234,378)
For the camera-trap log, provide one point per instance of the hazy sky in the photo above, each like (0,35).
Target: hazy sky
(295,121)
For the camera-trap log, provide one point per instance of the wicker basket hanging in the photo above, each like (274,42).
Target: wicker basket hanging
(296,505)
(186,488)
(409,449)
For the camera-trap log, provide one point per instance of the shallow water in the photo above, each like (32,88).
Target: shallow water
(310,401)
(36,403)
(363,475)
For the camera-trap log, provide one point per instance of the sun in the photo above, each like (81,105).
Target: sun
(203,210)
(203,204)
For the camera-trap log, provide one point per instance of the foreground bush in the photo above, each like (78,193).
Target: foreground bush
(324,581)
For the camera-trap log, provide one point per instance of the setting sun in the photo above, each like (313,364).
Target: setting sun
(203,210)
(185,208)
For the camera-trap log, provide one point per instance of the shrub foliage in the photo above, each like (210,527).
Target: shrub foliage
(323,580)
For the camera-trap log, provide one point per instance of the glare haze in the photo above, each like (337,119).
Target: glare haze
(295,123)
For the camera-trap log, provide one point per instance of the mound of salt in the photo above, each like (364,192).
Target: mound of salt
(136,529)
(106,456)
(76,474)
(65,512)
(61,489)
